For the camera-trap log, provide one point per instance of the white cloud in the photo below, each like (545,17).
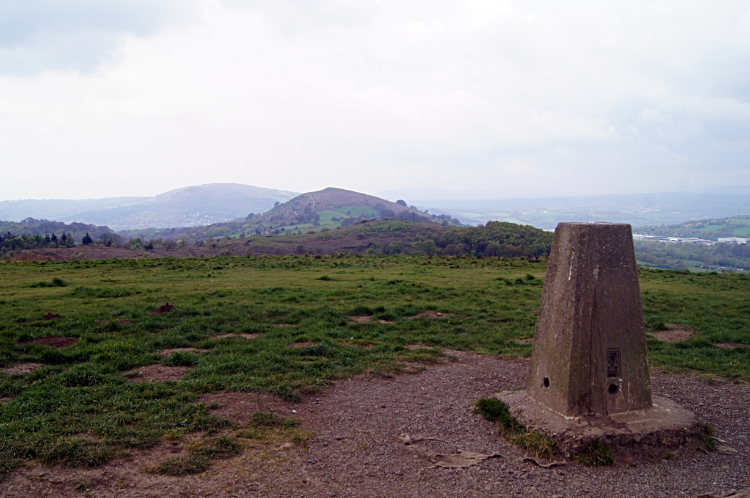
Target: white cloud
(587,96)
(81,34)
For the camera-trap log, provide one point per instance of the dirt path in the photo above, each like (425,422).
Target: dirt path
(358,452)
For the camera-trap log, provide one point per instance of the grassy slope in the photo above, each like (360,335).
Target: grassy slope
(80,409)
(328,203)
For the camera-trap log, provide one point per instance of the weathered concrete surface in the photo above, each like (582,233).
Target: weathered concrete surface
(664,425)
(590,355)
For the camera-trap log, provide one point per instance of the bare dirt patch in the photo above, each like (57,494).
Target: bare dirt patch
(121,322)
(366,319)
(245,336)
(730,345)
(51,316)
(429,314)
(54,341)
(283,324)
(674,333)
(167,352)
(354,344)
(239,407)
(534,312)
(6,399)
(166,308)
(21,368)
(525,341)
(303,344)
(157,373)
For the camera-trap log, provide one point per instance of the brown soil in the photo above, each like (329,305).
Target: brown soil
(674,333)
(158,373)
(362,425)
(51,316)
(363,346)
(303,344)
(246,336)
(283,324)
(54,341)
(21,368)
(240,407)
(429,314)
(525,341)
(730,345)
(534,312)
(162,309)
(167,352)
(6,399)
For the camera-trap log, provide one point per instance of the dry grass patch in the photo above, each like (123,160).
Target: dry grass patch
(296,345)
(730,345)
(156,373)
(167,352)
(54,341)
(674,333)
(244,336)
(429,314)
(21,368)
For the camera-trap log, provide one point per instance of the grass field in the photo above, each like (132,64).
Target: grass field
(80,408)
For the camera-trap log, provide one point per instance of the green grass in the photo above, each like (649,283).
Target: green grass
(534,442)
(80,409)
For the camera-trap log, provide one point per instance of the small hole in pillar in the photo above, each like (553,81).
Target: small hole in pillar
(546,382)
(613,388)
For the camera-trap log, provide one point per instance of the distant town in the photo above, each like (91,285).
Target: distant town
(689,240)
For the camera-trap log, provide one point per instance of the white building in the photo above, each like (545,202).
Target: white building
(733,240)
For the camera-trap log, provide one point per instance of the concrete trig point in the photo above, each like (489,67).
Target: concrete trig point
(589,375)
(590,355)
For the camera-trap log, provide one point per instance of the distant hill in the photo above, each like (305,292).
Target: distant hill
(637,209)
(711,229)
(334,207)
(189,206)
(326,209)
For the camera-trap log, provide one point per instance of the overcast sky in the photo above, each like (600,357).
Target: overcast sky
(103,98)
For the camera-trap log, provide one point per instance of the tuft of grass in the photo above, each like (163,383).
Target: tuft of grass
(270,419)
(706,435)
(535,442)
(655,323)
(182,465)
(56,282)
(82,485)
(266,427)
(76,452)
(181,359)
(219,447)
(595,453)
(325,278)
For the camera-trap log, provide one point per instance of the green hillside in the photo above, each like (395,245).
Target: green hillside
(332,208)
(711,229)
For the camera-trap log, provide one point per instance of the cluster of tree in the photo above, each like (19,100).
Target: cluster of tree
(668,255)
(23,241)
(31,226)
(497,239)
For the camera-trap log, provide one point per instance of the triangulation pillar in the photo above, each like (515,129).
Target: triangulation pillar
(590,355)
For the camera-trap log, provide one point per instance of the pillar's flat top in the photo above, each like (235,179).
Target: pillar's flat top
(592,223)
